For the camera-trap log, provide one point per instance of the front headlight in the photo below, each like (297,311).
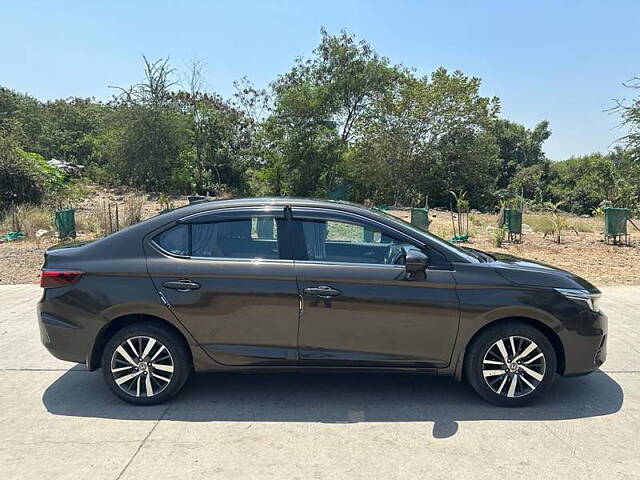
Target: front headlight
(584,297)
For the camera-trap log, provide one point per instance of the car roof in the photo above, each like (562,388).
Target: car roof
(258,201)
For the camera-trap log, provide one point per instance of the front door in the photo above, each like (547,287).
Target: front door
(360,307)
(224,277)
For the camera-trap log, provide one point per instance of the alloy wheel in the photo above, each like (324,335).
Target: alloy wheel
(514,366)
(142,366)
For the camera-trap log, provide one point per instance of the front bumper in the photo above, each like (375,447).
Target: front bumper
(586,347)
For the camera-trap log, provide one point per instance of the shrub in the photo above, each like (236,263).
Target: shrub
(21,181)
(498,236)
(27,219)
(133,210)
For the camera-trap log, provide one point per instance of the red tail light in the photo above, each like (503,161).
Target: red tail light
(58,278)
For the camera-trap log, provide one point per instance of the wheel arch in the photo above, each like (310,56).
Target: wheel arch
(115,325)
(547,331)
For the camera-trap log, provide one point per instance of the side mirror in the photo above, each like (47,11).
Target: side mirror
(416,262)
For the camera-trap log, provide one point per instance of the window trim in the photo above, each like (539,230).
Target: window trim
(219,215)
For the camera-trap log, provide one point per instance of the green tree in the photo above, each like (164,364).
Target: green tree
(220,136)
(630,119)
(428,136)
(150,133)
(519,148)
(582,183)
(317,107)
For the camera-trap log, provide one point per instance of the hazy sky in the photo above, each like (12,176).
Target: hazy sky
(556,60)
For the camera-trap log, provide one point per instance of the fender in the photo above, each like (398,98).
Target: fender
(470,325)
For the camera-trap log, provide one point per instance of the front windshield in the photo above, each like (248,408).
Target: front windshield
(466,254)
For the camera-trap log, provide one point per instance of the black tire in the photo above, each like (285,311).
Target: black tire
(485,352)
(174,356)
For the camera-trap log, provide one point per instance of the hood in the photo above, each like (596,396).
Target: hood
(526,272)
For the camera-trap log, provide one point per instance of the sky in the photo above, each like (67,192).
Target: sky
(560,61)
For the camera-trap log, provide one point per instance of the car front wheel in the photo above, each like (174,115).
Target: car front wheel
(510,364)
(145,364)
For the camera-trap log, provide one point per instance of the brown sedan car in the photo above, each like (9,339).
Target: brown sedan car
(308,284)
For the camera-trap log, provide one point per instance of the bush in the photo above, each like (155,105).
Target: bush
(133,210)
(22,180)
(498,236)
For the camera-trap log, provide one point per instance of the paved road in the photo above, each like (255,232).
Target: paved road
(58,421)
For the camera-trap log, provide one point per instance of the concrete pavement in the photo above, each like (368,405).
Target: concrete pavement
(58,420)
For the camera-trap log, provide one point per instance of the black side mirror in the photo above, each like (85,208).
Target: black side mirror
(416,262)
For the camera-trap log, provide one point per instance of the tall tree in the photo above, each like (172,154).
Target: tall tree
(426,137)
(630,119)
(151,132)
(317,107)
(519,147)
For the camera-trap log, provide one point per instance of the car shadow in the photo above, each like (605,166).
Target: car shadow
(331,398)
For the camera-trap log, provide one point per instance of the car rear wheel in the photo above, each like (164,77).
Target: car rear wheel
(145,364)
(510,364)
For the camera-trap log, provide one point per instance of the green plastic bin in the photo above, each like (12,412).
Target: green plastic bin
(420,218)
(65,221)
(513,220)
(615,221)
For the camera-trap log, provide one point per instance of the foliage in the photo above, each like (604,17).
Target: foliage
(344,115)
(24,177)
(499,234)
(166,203)
(427,136)
(520,149)
(558,223)
(630,118)
(584,183)
(132,210)
(462,208)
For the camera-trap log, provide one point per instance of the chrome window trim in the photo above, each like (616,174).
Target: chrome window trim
(350,264)
(242,260)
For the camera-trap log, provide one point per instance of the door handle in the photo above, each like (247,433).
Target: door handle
(322,291)
(184,285)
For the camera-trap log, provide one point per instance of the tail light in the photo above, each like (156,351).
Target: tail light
(58,278)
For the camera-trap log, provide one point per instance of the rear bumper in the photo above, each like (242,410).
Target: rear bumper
(63,339)
(586,347)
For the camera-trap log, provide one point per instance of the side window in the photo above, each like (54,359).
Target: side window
(175,240)
(255,237)
(337,241)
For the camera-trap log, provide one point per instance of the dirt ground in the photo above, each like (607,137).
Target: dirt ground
(584,254)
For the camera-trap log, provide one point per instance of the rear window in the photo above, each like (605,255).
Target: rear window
(175,240)
(253,238)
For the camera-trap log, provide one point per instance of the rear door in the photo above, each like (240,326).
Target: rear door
(360,307)
(226,278)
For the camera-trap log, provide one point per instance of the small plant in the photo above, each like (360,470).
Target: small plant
(499,236)
(461,230)
(559,223)
(133,210)
(475,220)
(165,203)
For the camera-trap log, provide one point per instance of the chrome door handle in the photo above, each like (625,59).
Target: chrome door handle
(184,285)
(322,291)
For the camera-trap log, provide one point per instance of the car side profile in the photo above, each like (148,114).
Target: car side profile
(277,284)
